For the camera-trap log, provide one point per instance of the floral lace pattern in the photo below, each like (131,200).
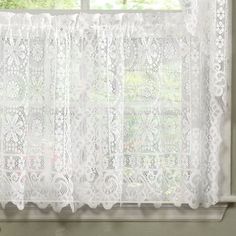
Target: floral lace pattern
(113,108)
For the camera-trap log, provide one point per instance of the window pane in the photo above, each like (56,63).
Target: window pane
(135,4)
(40,4)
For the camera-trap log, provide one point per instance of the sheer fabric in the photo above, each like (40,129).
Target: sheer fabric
(100,109)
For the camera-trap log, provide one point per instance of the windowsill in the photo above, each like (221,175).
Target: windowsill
(126,213)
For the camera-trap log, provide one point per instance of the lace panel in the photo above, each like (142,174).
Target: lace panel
(105,109)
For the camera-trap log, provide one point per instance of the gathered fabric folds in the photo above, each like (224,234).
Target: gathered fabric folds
(105,109)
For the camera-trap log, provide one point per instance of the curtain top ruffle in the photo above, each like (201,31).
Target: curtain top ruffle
(162,23)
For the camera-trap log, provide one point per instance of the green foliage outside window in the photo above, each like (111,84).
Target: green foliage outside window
(40,4)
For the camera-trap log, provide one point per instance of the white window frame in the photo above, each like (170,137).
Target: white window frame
(129,212)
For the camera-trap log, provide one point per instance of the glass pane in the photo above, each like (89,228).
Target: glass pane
(40,4)
(135,4)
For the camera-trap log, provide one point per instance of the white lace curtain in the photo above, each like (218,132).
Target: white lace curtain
(104,109)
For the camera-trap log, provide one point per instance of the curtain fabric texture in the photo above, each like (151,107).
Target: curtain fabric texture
(104,109)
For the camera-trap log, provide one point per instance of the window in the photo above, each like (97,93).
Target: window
(94,4)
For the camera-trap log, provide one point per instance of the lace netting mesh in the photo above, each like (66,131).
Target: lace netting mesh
(113,108)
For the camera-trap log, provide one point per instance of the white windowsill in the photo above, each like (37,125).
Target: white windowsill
(126,213)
